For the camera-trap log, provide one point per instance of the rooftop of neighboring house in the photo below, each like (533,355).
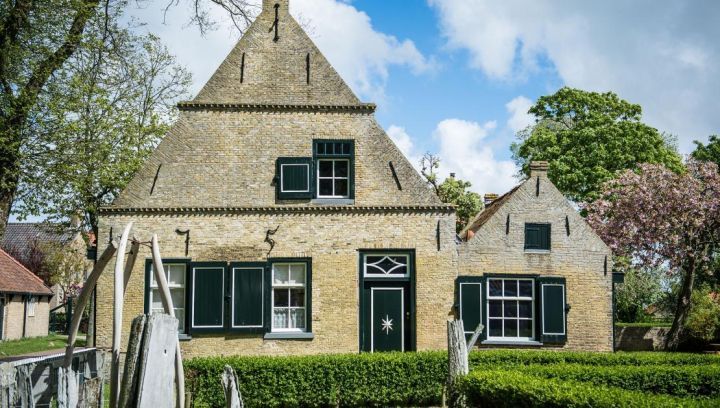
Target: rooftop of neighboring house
(21,236)
(15,278)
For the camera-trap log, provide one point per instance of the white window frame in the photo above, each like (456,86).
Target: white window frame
(287,287)
(511,298)
(182,329)
(31,302)
(386,275)
(262,297)
(333,178)
(282,172)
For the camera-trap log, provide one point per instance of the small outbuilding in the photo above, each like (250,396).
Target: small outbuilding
(24,301)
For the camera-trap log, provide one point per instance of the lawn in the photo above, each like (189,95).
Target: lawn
(36,344)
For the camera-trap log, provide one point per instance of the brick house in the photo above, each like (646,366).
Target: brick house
(24,301)
(288,220)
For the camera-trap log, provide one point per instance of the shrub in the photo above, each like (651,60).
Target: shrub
(495,388)
(684,381)
(703,321)
(381,379)
(526,357)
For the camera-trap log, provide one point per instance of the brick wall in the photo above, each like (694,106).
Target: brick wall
(15,312)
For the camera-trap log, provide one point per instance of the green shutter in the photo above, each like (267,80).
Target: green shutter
(294,178)
(247,296)
(537,236)
(471,307)
(208,297)
(553,314)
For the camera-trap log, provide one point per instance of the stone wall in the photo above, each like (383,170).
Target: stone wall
(640,338)
(579,257)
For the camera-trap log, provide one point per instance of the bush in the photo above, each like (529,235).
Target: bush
(683,381)
(526,357)
(381,379)
(495,388)
(703,321)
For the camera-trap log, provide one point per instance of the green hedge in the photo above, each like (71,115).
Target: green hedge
(683,381)
(525,357)
(496,388)
(381,379)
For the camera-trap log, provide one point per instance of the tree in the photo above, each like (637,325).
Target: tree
(36,40)
(106,111)
(658,218)
(66,265)
(587,137)
(641,288)
(452,191)
(709,152)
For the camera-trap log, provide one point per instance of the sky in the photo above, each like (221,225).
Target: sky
(456,77)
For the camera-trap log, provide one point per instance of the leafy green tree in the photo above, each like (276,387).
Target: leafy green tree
(587,137)
(703,321)
(709,151)
(642,288)
(105,112)
(452,191)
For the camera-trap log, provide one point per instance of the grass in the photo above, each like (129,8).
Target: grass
(644,324)
(36,344)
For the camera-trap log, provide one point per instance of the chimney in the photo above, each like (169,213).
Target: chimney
(452,175)
(538,168)
(268,6)
(489,198)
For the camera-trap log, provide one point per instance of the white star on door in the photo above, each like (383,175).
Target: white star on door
(387,324)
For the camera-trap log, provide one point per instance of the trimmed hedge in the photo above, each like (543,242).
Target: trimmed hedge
(683,381)
(381,379)
(526,357)
(495,388)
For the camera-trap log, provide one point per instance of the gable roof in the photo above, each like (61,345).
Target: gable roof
(488,212)
(23,235)
(15,278)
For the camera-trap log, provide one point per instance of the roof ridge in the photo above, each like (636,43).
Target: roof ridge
(23,267)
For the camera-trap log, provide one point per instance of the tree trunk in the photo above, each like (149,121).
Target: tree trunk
(672,341)
(457,360)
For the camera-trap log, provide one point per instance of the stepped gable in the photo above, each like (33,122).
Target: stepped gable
(264,70)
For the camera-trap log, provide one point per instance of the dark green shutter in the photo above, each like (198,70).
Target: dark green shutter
(208,297)
(471,305)
(552,306)
(247,296)
(537,236)
(294,178)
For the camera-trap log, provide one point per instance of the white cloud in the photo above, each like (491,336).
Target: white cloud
(519,116)
(463,151)
(662,55)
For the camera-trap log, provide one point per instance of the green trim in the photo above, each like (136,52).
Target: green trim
(308,291)
(294,195)
(146,298)
(351,165)
(259,265)
(224,292)
(478,280)
(551,338)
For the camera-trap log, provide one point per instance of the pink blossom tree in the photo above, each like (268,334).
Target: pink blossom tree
(659,218)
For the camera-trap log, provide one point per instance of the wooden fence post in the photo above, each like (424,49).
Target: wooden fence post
(233,399)
(128,387)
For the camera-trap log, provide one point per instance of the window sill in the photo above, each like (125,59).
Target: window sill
(333,201)
(510,343)
(537,251)
(184,337)
(289,336)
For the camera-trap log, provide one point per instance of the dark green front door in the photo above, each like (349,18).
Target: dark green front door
(387,319)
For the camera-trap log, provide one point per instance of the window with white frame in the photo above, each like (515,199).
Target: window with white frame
(288,296)
(333,178)
(510,310)
(386,265)
(31,302)
(175,275)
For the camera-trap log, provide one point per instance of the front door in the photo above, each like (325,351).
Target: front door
(387,319)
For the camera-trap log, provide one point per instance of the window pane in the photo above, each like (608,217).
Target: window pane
(154,310)
(321,148)
(326,187)
(156,302)
(510,288)
(153,283)
(280,274)
(346,148)
(280,297)
(297,274)
(495,287)
(297,318)
(297,297)
(510,327)
(496,308)
(325,168)
(178,297)
(341,168)
(341,187)
(525,309)
(496,327)
(526,288)
(180,315)
(510,308)
(280,318)
(525,328)
(176,275)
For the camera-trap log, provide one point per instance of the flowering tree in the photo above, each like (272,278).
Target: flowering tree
(657,217)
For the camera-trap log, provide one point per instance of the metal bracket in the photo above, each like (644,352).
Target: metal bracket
(269,233)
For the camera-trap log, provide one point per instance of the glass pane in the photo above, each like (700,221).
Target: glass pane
(280,274)
(341,187)
(346,148)
(341,168)
(297,318)
(525,309)
(326,187)
(297,274)
(525,328)
(510,327)
(325,168)
(280,318)
(496,308)
(321,148)
(510,288)
(153,283)
(496,327)
(177,275)
(297,297)
(180,314)
(178,297)
(154,310)
(510,307)
(156,302)
(495,286)
(280,297)
(526,288)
